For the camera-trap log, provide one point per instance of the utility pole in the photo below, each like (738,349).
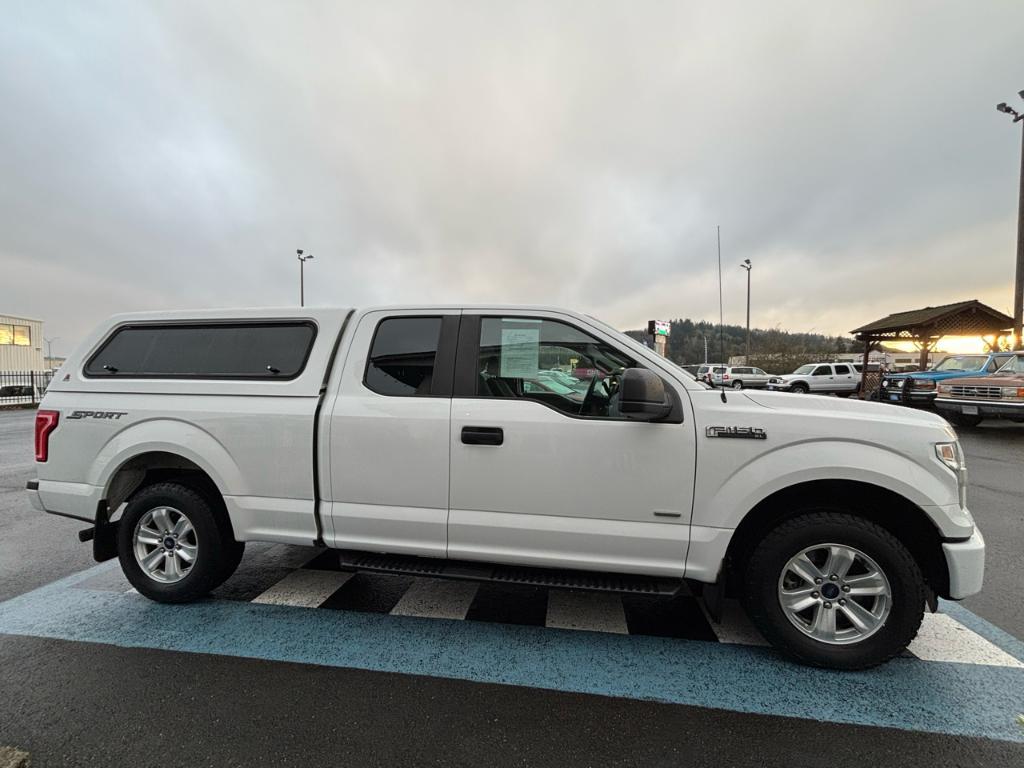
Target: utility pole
(721,315)
(1018,286)
(302,276)
(748,266)
(49,347)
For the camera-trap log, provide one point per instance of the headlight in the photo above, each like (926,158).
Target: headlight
(945,389)
(950,455)
(899,384)
(885,383)
(1013,393)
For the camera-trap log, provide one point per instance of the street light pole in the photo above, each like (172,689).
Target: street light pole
(1018,286)
(721,315)
(49,347)
(302,276)
(748,266)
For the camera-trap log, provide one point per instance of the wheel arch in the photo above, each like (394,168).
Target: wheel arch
(904,519)
(156,466)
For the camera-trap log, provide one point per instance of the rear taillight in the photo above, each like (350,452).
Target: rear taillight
(46,422)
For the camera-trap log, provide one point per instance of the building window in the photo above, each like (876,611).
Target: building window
(18,335)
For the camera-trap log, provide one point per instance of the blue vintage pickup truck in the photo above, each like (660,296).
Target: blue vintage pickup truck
(919,388)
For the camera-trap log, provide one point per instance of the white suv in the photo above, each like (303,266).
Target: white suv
(842,379)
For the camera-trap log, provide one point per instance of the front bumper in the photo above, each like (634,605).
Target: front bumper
(980,407)
(907,396)
(965,561)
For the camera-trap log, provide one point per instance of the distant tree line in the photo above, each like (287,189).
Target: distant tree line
(774,350)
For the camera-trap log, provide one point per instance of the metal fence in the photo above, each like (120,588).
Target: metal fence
(23,387)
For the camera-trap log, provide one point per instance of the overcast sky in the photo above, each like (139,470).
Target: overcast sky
(175,154)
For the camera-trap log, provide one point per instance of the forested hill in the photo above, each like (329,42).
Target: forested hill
(773,349)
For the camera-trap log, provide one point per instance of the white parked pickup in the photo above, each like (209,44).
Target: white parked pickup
(503,443)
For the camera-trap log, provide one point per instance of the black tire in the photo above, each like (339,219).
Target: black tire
(233,552)
(217,554)
(965,420)
(800,388)
(769,558)
(737,384)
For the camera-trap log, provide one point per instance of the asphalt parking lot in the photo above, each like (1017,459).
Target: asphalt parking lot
(296,663)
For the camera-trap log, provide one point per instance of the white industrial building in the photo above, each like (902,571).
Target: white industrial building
(21,344)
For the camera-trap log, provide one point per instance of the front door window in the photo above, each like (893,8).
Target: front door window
(550,362)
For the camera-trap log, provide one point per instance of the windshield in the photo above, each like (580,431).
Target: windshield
(967,363)
(1015,365)
(803,370)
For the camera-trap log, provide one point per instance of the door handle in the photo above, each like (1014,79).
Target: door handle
(483,435)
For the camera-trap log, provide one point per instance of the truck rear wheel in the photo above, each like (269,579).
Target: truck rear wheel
(171,545)
(831,589)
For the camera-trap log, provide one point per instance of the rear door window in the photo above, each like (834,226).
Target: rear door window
(842,370)
(402,356)
(822,370)
(264,350)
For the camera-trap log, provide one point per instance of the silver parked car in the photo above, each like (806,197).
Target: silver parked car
(740,377)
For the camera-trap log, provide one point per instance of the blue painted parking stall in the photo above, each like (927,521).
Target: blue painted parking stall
(961,676)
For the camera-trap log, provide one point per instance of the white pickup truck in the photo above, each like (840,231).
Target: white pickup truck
(506,443)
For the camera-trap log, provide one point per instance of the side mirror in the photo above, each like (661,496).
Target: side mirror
(643,395)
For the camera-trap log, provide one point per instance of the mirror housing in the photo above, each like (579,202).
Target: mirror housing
(644,396)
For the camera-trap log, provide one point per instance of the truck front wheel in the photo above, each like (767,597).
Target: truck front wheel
(171,545)
(831,589)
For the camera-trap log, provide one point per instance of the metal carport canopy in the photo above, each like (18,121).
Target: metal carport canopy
(927,325)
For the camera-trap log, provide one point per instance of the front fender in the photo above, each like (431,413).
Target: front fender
(739,489)
(168,436)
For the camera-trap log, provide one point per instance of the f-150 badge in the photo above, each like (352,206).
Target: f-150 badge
(743,433)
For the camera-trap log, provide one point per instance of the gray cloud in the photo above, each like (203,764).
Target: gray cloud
(159,155)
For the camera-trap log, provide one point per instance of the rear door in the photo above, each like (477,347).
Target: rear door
(846,379)
(389,440)
(556,476)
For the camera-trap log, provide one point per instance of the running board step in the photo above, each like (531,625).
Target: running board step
(547,577)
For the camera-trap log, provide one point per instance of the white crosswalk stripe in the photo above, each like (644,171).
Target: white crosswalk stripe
(305,588)
(594,611)
(437,599)
(943,638)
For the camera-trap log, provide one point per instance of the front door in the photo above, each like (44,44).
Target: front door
(545,470)
(822,379)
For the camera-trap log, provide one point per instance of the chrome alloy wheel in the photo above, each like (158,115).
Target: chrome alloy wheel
(165,544)
(835,594)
